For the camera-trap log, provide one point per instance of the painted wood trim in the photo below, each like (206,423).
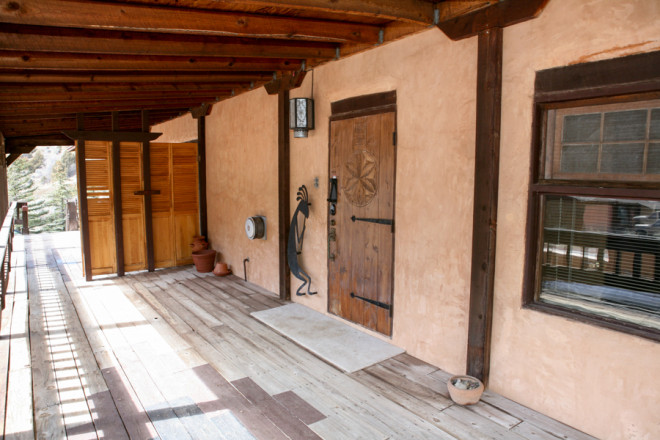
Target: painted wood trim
(632,74)
(283,185)
(111,136)
(201,175)
(486,178)
(116,197)
(82,201)
(146,179)
(362,104)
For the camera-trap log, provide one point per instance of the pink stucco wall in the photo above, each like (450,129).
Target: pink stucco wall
(603,382)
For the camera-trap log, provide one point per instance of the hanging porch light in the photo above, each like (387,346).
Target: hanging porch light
(301,116)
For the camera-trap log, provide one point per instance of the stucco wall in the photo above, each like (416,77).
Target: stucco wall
(434,79)
(601,381)
(182,129)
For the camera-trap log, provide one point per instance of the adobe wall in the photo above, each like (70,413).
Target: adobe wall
(597,380)
(601,381)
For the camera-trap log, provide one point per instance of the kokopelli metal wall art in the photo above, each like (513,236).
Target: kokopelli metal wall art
(296,237)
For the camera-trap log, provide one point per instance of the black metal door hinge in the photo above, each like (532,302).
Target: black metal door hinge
(382,305)
(394,138)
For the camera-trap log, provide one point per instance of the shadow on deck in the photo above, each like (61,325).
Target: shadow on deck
(175,354)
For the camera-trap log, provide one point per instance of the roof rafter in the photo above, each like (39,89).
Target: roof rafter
(133,17)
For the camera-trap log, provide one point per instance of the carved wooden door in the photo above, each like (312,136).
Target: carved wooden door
(361,232)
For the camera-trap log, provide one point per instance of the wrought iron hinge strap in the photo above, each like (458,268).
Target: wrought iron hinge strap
(382,305)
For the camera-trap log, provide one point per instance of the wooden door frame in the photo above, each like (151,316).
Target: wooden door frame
(359,106)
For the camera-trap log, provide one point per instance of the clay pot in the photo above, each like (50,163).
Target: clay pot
(199,243)
(465,390)
(221,270)
(204,260)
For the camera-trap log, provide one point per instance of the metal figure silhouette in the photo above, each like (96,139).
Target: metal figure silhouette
(295,243)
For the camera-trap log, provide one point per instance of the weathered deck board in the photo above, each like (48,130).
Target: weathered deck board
(176,354)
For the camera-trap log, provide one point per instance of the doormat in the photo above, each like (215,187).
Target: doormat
(333,341)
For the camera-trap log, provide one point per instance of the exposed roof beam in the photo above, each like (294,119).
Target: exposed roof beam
(455,8)
(27,109)
(131,17)
(154,115)
(50,76)
(50,39)
(499,14)
(7,96)
(45,60)
(9,89)
(11,158)
(25,144)
(417,11)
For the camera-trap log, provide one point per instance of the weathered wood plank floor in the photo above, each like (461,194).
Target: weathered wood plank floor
(176,355)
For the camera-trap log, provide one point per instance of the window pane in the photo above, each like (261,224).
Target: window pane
(582,128)
(655,124)
(600,256)
(653,159)
(622,158)
(579,159)
(625,126)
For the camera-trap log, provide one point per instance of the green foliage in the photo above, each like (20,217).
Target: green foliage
(47,202)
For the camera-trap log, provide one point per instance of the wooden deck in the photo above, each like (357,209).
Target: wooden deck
(175,355)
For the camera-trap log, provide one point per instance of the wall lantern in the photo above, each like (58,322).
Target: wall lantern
(301,116)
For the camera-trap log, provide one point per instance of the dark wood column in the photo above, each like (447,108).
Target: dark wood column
(486,178)
(200,114)
(146,178)
(116,198)
(283,184)
(82,202)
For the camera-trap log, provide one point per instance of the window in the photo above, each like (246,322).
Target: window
(594,210)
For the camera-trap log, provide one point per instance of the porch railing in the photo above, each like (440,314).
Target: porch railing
(6,243)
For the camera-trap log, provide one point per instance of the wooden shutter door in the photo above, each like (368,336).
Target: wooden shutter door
(99,207)
(130,157)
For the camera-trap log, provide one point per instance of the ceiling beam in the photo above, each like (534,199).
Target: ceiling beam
(25,144)
(154,115)
(418,11)
(11,158)
(455,8)
(499,14)
(132,17)
(65,61)
(9,89)
(26,109)
(50,39)
(52,76)
(7,96)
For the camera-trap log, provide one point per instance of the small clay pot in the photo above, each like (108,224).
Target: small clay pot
(465,390)
(221,270)
(199,243)
(204,260)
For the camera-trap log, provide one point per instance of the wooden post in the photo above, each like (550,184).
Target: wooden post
(146,178)
(82,191)
(116,201)
(486,177)
(283,180)
(201,174)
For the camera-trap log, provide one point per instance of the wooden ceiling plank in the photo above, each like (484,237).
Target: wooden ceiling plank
(49,39)
(499,14)
(417,11)
(50,88)
(99,77)
(132,17)
(82,62)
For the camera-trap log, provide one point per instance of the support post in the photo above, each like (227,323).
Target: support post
(486,178)
(146,178)
(82,191)
(116,199)
(201,173)
(283,179)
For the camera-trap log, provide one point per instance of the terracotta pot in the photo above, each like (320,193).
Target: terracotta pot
(221,270)
(199,243)
(465,390)
(204,260)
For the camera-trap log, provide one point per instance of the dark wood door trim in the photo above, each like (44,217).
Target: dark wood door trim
(364,105)
(146,178)
(201,174)
(486,178)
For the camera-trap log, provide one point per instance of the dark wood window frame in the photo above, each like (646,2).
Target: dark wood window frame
(626,79)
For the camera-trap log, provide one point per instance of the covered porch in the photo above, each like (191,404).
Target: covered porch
(176,354)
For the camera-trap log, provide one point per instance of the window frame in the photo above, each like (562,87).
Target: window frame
(615,81)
